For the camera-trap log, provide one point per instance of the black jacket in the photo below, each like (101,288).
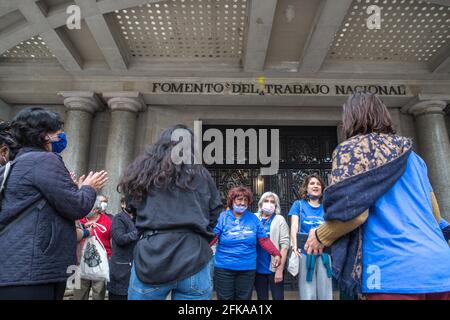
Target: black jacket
(38,247)
(124,237)
(171,256)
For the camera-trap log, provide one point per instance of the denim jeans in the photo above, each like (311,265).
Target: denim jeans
(265,281)
(234,285)
(195,287)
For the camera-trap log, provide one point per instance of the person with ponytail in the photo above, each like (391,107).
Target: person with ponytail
(315,274)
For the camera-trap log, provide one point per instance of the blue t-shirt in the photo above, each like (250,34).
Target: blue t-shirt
(263,257)
(309,216)
(404,250)
(236,249)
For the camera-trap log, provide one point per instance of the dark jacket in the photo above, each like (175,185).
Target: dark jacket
(175,255)
(124,237)
(37,247)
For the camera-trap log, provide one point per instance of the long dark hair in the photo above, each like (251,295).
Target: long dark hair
(155,170)
(365,113)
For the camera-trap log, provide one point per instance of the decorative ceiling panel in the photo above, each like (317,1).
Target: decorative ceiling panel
(411,31)
(34,48)
(185,29)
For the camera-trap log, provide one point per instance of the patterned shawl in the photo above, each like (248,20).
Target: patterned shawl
(364,168)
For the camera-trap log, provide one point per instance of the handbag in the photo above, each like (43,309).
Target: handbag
(94,259)
(293,264)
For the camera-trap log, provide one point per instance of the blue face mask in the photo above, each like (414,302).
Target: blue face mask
(313,197)
(61,144)
(239,209)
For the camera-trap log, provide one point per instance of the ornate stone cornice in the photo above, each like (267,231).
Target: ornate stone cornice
(82,100)
(125,101)
(426,107)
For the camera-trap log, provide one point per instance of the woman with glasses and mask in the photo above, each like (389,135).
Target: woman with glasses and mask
(277,229)
(98,223)
(238,231)
(40,205)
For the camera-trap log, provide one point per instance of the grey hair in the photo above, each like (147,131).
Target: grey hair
(266,195)
(98,200)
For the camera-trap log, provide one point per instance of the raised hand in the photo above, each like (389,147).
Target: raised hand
(95,180)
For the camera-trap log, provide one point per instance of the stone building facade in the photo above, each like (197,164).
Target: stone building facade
(136,67)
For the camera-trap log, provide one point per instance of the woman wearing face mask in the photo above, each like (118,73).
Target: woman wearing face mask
(277,229)
(315,277)
(238,231)
(8,146)
(124,237)
(96,220)
(40,205)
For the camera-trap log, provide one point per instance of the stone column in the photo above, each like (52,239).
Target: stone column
(81,107)
(124,108)
(434,146)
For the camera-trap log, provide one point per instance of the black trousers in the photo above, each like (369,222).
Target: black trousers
(265,281)
(234,285)
(49,291)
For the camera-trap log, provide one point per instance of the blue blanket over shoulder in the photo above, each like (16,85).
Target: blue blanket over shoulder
(364,168)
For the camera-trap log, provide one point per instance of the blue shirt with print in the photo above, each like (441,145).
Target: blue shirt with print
(404,250)
(309,217)
(263,257)
(238,238)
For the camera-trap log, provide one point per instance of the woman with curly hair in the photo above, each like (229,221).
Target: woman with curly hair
(177,205)
(314,280)
(238,232)
(40,205)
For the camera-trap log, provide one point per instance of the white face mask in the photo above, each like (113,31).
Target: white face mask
(268,207)
(103,205)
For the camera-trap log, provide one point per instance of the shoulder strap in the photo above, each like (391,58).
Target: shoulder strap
(39,203)
(6,172)
(300,215)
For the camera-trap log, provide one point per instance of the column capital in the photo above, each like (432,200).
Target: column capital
(430,106)
(81,100)
(125,101)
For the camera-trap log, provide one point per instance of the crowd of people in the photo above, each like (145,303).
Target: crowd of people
(175,236)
